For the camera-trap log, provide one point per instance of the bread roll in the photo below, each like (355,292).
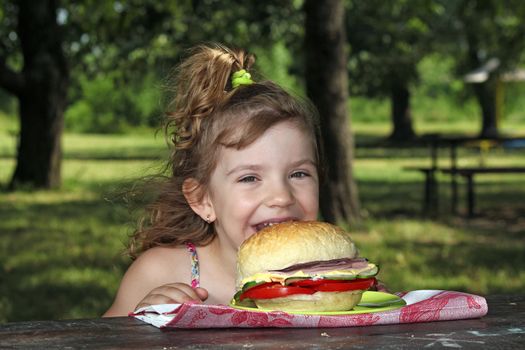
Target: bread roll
(286,244)
(317,302)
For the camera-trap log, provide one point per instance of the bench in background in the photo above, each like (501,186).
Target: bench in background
(436,141)
(469,172)
(431,198)
(430,190)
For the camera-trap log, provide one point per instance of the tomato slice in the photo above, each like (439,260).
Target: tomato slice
(357,284)
(327,285)
(276,290)
(315,283)
(273,290)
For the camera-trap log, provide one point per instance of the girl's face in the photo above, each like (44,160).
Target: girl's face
(272,180)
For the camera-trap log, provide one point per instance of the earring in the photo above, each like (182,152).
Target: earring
(208,220)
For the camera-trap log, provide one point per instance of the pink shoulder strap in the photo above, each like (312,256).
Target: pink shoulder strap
(195,275)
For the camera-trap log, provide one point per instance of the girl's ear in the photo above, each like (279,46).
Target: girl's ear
(198,199)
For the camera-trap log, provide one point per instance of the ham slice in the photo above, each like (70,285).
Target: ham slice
(314,267)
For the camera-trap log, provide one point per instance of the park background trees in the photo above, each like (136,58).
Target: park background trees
(97,67)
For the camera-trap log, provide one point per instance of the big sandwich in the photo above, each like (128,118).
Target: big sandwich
(302,267)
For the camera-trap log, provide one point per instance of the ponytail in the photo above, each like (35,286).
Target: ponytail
(202,85)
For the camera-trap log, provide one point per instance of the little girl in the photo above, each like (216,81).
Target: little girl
(246,155)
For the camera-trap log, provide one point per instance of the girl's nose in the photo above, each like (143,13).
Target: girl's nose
(280,195)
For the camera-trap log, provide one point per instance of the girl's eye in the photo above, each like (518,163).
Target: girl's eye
(249,178)
(300,174)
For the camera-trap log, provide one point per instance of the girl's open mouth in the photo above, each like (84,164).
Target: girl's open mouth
(271,222)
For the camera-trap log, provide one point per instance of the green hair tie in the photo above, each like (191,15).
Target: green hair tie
(241,77)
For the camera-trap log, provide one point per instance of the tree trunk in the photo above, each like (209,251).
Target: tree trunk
(486,95)
(42,99)
(401,114)
(485,91)
(327,87)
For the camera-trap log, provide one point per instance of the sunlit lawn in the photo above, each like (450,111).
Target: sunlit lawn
(61,251)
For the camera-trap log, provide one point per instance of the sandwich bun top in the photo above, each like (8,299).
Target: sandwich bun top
(294,242)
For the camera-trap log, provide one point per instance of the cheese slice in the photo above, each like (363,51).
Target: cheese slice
(368,271)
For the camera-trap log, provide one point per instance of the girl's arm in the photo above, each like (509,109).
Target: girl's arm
(156,277)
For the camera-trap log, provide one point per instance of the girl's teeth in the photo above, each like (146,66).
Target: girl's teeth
(264,225)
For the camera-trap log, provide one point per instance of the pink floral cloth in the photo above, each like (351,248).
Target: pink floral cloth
(422,306)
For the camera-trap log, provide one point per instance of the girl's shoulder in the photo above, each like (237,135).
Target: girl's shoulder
(163,261)
(162,255)
(154,268)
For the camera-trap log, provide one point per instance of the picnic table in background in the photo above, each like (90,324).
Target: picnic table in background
(453,142)
(502,328)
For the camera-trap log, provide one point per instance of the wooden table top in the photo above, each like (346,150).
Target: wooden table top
(502,328)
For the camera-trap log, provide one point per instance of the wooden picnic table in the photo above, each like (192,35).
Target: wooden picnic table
(502,328)
(452,142)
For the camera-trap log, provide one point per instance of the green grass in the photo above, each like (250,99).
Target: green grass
(60,256)
(60,252)
(109,147)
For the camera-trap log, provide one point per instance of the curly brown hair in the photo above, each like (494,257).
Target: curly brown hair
(205,115)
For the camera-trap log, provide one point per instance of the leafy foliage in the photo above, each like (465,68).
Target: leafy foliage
(387,40)
(134,44)
(126,66)
(487,29)
(113,104)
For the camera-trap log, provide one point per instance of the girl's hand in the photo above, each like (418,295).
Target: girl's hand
(177,293)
